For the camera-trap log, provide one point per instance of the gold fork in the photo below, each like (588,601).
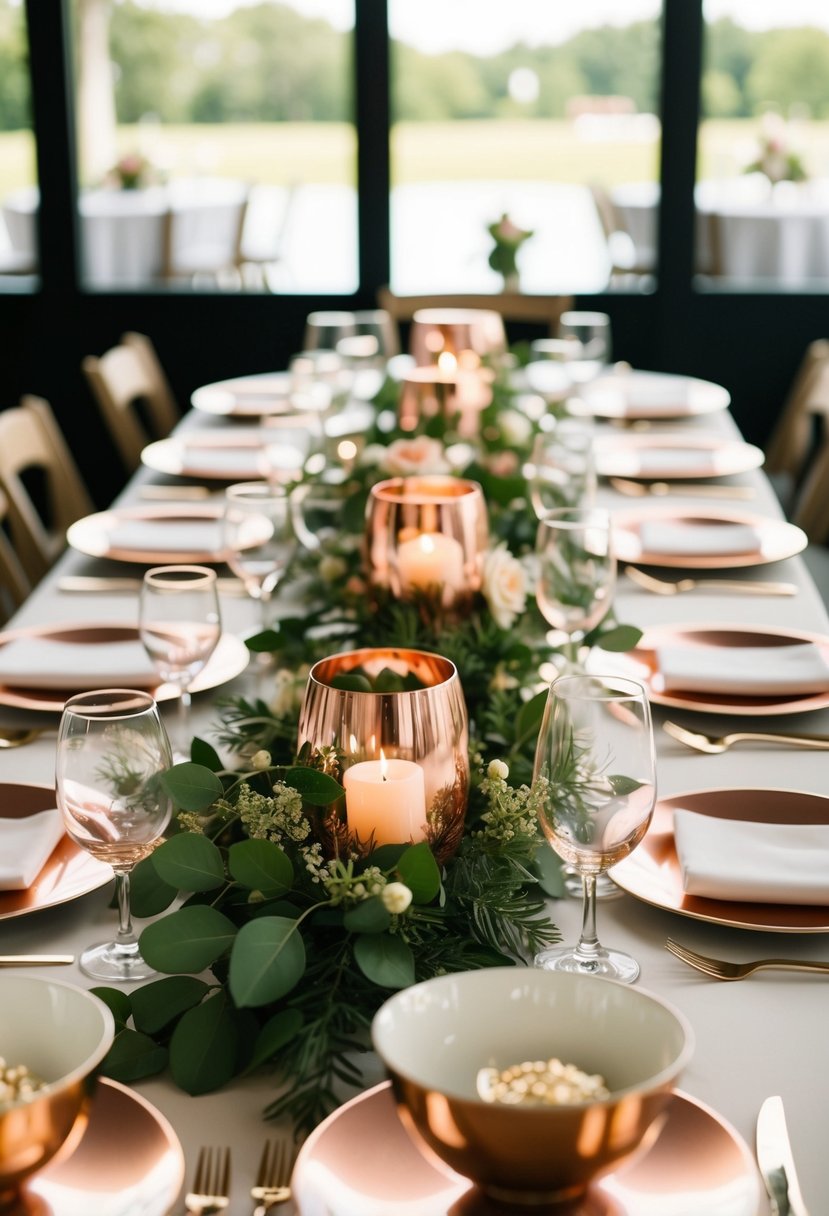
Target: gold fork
(663,587)
(659,489)
(273,1178)
(722,970)
(713,745)
(19,736)
(211,1185)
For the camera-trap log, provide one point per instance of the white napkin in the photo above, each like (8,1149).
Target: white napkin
(778,863)
(168,536)
(625,393)
(702,539)
(25,846)
(235,462)
(744,670)
(651,461)
(39,662)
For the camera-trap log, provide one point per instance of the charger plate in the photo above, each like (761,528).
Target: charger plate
(778,539)
(68,873)
(673,456)
(128,1163)
(97,535)
(651,872)
(228,660)
(639,395)
(698,1164)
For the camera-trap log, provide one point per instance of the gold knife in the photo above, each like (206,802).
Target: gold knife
(91,583)
(35,960)
(774,1156)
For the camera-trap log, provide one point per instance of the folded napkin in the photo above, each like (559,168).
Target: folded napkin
(699,539)
(168,536)
(778,863)
(234,461)
(39,662)
(25,847)
(626,393)
(652,461)
(744,670)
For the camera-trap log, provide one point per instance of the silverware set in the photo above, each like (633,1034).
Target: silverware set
(211,1182)
(713,745)
(743,587)
(689,489)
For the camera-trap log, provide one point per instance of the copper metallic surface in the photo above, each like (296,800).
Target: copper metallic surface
(457,395)
(428,726)
(457,332)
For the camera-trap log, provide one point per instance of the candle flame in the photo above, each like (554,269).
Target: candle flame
(447,361)
(384,766)
(427,544)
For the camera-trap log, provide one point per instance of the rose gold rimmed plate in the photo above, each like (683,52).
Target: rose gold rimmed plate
(231,453)
(245,396)
(229,659)
(673,456)
(652,873)
(68,873)
(641,664)
(128,1163)
(637,395)
(109,533)
(776,538)
(697,1155)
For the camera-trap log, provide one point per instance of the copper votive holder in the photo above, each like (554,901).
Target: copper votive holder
(458,395)
(426,538)
(456,331)
(426,726)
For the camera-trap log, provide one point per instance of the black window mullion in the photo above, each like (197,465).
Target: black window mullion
(372,113)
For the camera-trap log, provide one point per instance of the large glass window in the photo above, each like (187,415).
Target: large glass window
(18,173)
(763,156)
(217,145)
(547,113)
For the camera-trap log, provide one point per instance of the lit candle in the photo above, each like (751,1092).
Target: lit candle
(430,560)
(386,798)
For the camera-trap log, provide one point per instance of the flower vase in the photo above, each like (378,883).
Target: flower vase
(512,282)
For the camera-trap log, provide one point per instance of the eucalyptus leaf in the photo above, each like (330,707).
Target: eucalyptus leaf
(193,787)
(277,1031)
(385,960)
(261,865)
(547,866)
(149,893)
(351,681)
(622,785)
(133,1056)
(419,871)
(368,916)
(190,862)
(530,715)
(205,754)
(389,681)
(187,940)
(117,1002)
(386,856)
(315,787)
(619,638)
(267,960)
(203,1047)
(158,1004)
(266,641)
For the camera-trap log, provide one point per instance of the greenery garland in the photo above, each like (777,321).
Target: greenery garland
(302,937)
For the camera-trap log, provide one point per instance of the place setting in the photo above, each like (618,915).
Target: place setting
(696,455)
(626,394)
(698,539)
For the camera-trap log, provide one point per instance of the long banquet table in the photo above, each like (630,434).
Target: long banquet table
(765,1035)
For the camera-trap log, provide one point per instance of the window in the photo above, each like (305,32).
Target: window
(18,174)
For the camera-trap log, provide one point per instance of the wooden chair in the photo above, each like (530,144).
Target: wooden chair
(790,441)
(123,380)
(31,443)
(14,585)
(203,240)
(811,494)
(513,306)
(625,258)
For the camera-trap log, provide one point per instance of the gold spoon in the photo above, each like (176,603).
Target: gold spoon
(663,587)
(640,489)
(19,736)
(713,745)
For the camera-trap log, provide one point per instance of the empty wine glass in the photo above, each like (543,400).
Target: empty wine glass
(591,330)
(576,571)
(259,538)
(563,470)
(112,749)
(595,784)
(179,623)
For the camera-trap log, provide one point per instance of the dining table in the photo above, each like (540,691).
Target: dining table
(762,1036)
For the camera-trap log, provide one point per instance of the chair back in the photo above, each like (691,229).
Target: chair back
(512,306)
(811,500)
(791,440)
(123,379)
(206,228)
(31,442)
(14,585)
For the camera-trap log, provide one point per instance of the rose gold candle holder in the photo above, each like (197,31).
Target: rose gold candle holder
(457,395)
(426,538)
(458,332)
(427,726)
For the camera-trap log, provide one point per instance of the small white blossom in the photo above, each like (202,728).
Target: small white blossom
(504,585)
(332,568)
(497,770)
(285,699)
(372,455)
(278,818)
(260,759)
(515,428)
(396,897)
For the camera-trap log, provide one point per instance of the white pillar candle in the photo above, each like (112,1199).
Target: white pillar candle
(430,560)
(386,798)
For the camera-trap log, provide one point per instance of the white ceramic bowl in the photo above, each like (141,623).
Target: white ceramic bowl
(62,1034)
(435,1036)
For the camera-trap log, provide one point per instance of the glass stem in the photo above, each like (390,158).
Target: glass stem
(184,703)
(571,650)
(264,610)
(126,937)
(588,948)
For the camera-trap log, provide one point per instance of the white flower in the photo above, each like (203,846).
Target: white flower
(260,759)
(396,897)
(497,770)
(372,454)
(332,568)
(504,585)
(515,428)
(283,700)
(421,455)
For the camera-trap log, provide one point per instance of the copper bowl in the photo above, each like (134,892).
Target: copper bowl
(61,1033)
(435,1037)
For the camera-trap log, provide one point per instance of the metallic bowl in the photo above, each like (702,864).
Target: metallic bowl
(62,1034)
(435,1037)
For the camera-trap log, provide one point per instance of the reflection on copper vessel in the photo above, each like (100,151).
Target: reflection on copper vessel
(456,331)
(426,725)
(426,538)
(447,390)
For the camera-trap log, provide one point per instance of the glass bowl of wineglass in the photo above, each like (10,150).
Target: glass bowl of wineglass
(589,332)
(179,623)
(260,538)
(563,469)
(576,572)
(594,784)
(111,753)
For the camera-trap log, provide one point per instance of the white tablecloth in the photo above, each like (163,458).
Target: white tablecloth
(762,1036)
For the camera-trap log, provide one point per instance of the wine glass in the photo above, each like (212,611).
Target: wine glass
(595,784)
(563,468)
(259,538)
(591,330)
(112,749)
(179,623)
(576,571)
